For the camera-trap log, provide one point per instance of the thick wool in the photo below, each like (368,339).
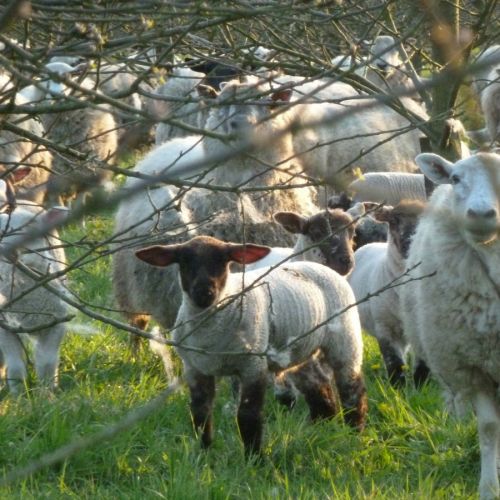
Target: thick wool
(452,319)
(37,307)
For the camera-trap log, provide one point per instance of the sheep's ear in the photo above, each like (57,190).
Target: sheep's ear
(383,214)
(158,255)
(357,210)
(247,254)
(282,95)
(19,174)
(292,222)
(206,91)
(434,167)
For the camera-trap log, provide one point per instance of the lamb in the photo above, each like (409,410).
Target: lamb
(452,318)
(274,317)
(90,130)
(377,265)
(25,306)
(325,238)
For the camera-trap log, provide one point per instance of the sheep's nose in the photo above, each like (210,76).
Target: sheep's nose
(487,214)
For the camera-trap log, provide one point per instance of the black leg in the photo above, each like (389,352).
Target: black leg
(393,363)
(202,397)
(354,401)
(421,373)
(250,414)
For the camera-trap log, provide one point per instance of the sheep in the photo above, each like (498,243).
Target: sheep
(376,266)
(489,59)
(452,318)
(90,130)
(19,155)
(273,316)
(26,306)
(183,84)
(325,237)
(490,105)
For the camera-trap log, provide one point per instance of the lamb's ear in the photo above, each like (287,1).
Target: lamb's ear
(282,95)
(292,222)
(18,174)
(206,91)
(357,210)
(247,254)
(383,214)
(434,167)
(158,255)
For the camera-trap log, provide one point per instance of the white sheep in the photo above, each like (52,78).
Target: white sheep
(24,305)
(90,130)
(376,266)
(489,59)
(490,104)
(288,316)
(452,318)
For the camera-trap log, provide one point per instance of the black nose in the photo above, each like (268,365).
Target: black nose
(488,214)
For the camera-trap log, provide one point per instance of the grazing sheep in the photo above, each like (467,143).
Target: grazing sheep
(274,317)
(325,238)
(452,318)
(376,266)
(24,305)
(19,155)
(90,130)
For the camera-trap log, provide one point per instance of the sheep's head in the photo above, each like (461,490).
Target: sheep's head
(203,264)
(242,110)
(475,183)
(402,220)
(385,54)
(328,236)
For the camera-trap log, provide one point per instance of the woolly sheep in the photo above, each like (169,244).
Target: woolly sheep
(273,316)
(376,266)
(490,104)
(19,155)
(43,313)
(489,59)
(452,318)
(90,130)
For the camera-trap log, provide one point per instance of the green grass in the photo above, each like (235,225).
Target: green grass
(410,449)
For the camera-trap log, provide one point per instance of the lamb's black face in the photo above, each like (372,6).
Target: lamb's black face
(203,274)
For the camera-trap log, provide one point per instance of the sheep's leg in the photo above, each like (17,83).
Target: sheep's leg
(13,353)
(250,419)
(202,388)
(135,342)
(48,343)
(394,363)
(315,383)
(488,423)
(421,373)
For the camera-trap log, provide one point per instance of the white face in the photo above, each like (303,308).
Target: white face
(476,189)
(385,53)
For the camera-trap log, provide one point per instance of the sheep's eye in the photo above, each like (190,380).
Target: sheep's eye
(455,179)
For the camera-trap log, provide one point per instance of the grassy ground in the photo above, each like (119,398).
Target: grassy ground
(410,448)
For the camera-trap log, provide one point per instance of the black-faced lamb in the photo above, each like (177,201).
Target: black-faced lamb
(452,318)
(376,266)
(326,238)
(26,307)
(288,316)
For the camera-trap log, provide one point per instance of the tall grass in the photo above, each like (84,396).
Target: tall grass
(410,448)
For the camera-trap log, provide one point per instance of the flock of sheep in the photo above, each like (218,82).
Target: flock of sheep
(276,220)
